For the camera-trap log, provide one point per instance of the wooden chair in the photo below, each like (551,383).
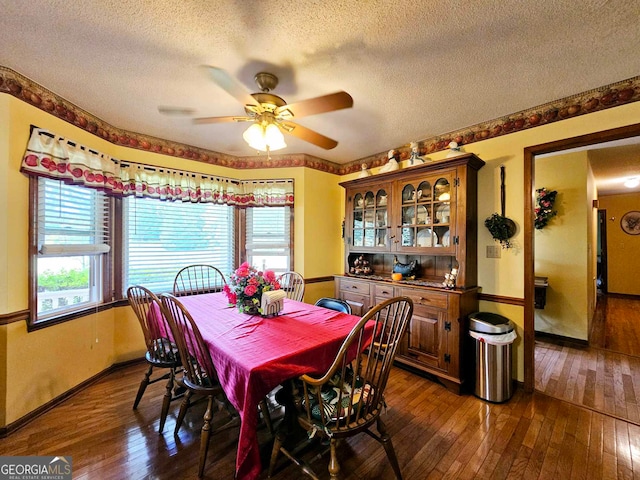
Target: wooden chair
(348,398)
(334,304)
(293,284)
(162,352)
(199,374)
(195,279)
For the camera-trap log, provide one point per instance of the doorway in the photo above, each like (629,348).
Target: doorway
(601,271)
(529,270)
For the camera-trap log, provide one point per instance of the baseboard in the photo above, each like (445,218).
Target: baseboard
(21,422)
(561,340)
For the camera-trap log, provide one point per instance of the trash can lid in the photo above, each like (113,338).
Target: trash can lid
(487,322)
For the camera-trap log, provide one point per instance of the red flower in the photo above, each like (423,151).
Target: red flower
(250,290)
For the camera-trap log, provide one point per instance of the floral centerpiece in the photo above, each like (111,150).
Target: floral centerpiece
(246,285)
(544,211)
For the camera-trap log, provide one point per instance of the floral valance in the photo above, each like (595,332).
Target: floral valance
(59,158)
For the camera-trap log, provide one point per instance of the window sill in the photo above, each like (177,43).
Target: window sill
(38,325)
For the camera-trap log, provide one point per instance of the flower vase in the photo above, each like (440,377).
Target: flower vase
(248,306)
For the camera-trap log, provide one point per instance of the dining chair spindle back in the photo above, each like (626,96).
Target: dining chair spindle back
(196,279)
(293,284)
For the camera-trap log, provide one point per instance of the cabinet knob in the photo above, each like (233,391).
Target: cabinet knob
(354,287)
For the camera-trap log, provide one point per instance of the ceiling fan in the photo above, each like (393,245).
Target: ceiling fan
(271,115)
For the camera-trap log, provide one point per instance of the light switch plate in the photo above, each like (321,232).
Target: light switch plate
(493,251)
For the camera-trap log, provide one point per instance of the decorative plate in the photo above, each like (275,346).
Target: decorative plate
(630,222)
(445,239)
(424,239)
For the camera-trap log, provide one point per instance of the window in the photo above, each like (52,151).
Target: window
(73,243)
(268,242)
(87,247)
(161,237)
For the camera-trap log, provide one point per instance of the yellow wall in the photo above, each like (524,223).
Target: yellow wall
(561,248)
(623,250)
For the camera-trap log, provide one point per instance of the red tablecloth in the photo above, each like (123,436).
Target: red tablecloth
(253,355)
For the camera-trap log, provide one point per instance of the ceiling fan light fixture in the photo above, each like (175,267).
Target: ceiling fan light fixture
(263,138)
(274,137)
(632,182)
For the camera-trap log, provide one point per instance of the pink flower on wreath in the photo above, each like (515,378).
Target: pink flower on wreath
(250,290)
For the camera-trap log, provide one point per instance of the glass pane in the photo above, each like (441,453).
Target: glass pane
(381,198)
(423,216)
(408,237)
(442,213)
(408,194)
(408,215)
(63,282)
(163,237)
(369,218)
(358,201)
(358,238)
(268,238)
(425,237)
(368,199)
(425,188)
(442,190)
(381,218)
(357,220)
(369,237)
(381,237)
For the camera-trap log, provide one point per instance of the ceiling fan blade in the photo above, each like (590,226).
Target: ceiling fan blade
(203,120)
(231,86)
(308,135)
(168,110)
(326,103)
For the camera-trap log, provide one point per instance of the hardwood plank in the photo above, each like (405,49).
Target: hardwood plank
(436,434)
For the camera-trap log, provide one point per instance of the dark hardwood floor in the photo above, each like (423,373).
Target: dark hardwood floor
(436,434)
(616,325)
(604,376)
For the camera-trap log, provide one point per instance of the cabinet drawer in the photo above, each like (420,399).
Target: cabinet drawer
(428,299)
(383,291)
(359,303)
(356,287)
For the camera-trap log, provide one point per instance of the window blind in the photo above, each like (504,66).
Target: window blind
(71,220)
(269,238)
(162,237)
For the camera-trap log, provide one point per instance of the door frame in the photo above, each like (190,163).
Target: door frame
(529,239)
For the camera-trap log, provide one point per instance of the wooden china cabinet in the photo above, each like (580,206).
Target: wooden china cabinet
(427,214)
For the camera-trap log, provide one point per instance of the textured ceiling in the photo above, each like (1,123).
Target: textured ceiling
(415,69)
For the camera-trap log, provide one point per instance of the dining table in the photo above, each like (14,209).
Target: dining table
(254,354)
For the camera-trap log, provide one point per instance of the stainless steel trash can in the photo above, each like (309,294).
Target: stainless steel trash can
(492,336)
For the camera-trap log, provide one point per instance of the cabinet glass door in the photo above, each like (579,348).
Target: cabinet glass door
(370,220)
(425,214)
